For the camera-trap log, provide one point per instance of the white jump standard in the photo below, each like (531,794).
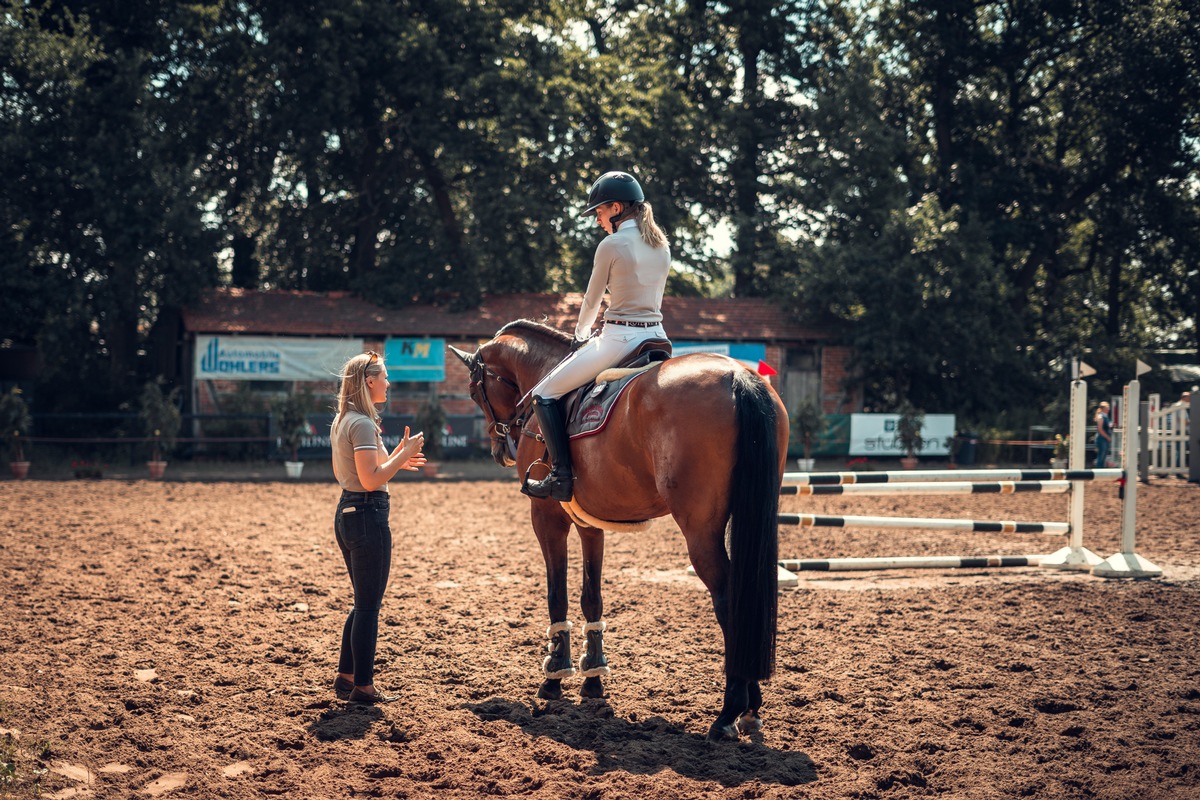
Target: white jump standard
(1127,563)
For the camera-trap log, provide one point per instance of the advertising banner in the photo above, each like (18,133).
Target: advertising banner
(272,358)
(458,435)
(875,435)
(748,354)
(415,359)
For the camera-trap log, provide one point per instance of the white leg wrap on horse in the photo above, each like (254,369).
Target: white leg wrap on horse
(559,626)
(592,672)
(569,670)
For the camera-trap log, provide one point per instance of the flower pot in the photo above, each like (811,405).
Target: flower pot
(431,469)
(1058,463)
(20,469)
(294,468)
(157,468)
(805,464)
(908,462)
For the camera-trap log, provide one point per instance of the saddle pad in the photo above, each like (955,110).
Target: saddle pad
(591,413)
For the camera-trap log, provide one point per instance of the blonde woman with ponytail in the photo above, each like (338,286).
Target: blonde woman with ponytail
(631,265)
(363,467)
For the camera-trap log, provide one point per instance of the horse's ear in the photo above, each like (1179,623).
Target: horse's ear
(467,358)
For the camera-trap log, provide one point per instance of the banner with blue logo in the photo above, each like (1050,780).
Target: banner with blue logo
(272,358)
(748,354)
(415,359)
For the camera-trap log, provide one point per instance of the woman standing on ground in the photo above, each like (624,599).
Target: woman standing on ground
(631,264)
(363,467)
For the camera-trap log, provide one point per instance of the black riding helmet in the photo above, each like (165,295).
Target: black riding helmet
(614,187)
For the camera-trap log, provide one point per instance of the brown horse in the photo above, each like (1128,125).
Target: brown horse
(701,438)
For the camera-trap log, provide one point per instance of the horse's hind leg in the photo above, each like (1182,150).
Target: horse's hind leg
(592,664)
(739,694)
(551,529)
(742,697)
(750,721)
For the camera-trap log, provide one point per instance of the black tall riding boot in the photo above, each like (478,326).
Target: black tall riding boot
(554,430)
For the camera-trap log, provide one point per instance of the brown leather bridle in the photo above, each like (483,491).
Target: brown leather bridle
(499,431)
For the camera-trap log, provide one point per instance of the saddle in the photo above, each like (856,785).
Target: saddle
(587,408)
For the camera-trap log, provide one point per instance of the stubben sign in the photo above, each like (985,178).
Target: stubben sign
(272,358)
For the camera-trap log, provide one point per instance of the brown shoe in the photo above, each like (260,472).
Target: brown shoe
(342,688)
(359,696)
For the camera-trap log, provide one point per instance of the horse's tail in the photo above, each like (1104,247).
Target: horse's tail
(754,533)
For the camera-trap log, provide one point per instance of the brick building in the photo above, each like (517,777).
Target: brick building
(810,361)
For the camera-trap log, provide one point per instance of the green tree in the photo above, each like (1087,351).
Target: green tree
(104,213)
(984,190)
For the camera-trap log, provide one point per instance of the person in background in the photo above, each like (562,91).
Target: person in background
(631,264)
(1103,435)
(363,467)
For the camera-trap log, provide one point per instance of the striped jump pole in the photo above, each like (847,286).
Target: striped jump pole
(917,476)
(933,487)
(907,562)
(923,523)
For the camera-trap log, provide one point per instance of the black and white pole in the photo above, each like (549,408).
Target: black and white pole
(1075,555)
(1127,563)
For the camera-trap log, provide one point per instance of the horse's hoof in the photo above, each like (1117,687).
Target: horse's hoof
(749,723)
(592,687)
(722,733)
(550,690)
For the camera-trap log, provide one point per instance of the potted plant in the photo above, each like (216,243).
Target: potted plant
(160,420)
(291,420)
(15,422)
(431,420)
(908,431)
(808,423)
(952,443)
(1062,451)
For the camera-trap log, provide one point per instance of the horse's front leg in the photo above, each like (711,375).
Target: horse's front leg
(551,527)
(592,664)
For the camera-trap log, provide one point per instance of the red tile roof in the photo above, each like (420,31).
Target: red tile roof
(241,311)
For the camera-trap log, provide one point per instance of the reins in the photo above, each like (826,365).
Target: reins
(501,430)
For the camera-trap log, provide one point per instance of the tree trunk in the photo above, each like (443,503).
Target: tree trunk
(745,168)
(462,265)
(366,227)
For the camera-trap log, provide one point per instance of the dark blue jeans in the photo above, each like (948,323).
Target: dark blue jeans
(363,535)
(1102,446)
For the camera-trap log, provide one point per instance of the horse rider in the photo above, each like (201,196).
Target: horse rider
(631,263)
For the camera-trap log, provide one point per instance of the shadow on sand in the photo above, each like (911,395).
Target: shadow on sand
(349,721)
(646,747)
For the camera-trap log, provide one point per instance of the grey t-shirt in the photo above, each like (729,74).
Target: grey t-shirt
(354,431)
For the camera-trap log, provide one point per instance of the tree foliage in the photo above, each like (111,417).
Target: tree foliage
(979,192)
(985,176)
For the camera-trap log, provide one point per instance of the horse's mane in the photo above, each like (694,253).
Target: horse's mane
(537,328)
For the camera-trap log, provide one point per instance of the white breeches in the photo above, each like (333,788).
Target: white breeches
(598,354)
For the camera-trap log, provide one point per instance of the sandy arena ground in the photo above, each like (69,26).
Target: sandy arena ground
(179,639)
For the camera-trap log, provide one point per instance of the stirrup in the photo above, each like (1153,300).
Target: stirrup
(554,485)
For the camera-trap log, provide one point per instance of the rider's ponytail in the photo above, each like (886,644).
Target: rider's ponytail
(651,233)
